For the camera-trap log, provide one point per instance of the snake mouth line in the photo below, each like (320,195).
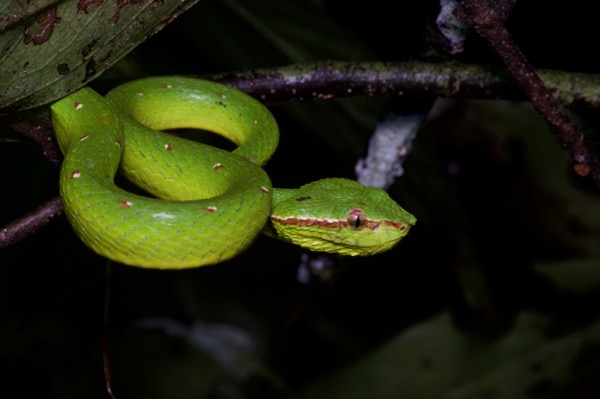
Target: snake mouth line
(336,223)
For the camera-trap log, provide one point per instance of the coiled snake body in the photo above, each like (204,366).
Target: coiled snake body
(210,203)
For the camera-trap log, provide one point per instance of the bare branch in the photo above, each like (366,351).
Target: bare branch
(30,223)
(336,79)
(489,23)
(41,134)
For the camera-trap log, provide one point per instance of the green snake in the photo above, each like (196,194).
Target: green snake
(201,205)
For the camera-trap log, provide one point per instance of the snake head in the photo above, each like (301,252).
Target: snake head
(339,216)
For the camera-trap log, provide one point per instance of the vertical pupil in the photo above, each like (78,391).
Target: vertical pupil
(357,222)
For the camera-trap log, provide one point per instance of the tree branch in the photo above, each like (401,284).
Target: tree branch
(336,79)
(488,20)
(30,223)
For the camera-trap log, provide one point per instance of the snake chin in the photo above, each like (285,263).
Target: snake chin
(340,239)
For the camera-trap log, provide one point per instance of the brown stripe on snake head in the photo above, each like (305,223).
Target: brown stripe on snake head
(325,223)
(355,220)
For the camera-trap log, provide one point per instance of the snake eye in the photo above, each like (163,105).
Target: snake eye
(356,220)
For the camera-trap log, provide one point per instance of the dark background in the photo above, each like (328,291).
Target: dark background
(496,289)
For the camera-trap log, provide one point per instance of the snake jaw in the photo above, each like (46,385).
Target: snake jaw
(340,236)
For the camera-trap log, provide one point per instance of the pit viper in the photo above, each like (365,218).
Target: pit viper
(200,205)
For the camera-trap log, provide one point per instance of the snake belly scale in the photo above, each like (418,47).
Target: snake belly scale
(205,204)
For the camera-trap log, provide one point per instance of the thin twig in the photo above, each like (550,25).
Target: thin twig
(337,79)
(30,223)
(106,336)
(41,134)
(488,20)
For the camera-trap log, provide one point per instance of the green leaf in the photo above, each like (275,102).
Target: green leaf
(435,360)
(52,48)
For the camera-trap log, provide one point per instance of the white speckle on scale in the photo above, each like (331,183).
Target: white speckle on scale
(163,215)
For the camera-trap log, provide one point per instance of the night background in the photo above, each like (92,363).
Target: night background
(494,293)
